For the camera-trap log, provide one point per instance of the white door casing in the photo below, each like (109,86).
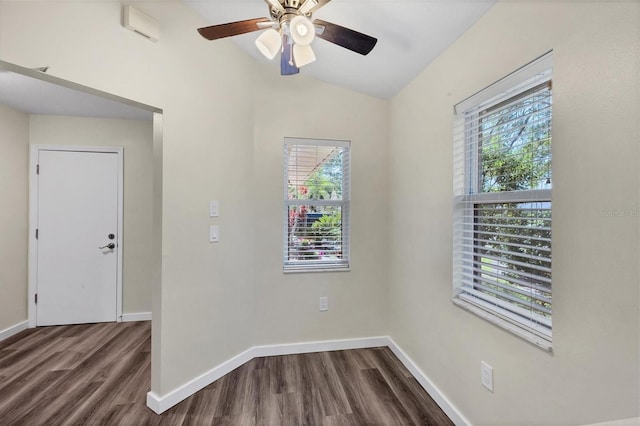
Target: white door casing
(76,202)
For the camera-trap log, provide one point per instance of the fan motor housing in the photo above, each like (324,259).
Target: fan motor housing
(292,3)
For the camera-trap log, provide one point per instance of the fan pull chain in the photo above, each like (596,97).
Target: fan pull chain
(291,55)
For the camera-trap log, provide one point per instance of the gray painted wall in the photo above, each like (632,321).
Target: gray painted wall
(14,201)
(593,374)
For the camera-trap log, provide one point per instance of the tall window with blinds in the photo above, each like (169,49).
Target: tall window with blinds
(316,205)
(502,183)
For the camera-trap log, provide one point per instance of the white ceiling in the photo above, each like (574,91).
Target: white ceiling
(410,33)
(36,96)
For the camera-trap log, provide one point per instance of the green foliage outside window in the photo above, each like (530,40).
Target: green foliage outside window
(315,231)
(514,239)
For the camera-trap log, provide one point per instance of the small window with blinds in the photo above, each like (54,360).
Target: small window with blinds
(316,205)
(502,185)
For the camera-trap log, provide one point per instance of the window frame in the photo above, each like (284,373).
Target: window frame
(468,194)
(301,266)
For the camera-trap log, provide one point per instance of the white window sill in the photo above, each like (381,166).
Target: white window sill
(504,324)
(302,269)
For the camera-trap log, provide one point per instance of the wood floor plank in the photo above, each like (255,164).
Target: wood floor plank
(382,399)
(313,408)
(37,392)
(264,412)
(115,379)
(347,367)
(19,378)
(404,388)
(99,374)
(5,353)
(59,414)
(24,355)
(291,410)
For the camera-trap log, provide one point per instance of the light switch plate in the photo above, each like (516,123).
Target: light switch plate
(214,208)
(324,304)
(214,234)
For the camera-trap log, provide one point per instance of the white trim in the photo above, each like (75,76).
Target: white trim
(319,142)
(154,403)
(314,202)
(120,236)
(161,404)
(40,76)
(294,270)
(447,406)
(537,70)
(137,316)
(320,346)
(305,266)
(622,422)
(525,196)
(33,220)
(14,329)
(32,274)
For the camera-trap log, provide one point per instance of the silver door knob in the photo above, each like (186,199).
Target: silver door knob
(110,246)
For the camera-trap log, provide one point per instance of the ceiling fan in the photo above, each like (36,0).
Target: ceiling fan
(290,31)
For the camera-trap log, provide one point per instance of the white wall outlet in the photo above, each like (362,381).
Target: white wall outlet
(214,234)
(214,208)
(324,304)
(486,375)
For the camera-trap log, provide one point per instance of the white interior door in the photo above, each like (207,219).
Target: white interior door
(77,213)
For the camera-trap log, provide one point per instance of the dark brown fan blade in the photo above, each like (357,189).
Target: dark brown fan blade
(349,39)
(215,32)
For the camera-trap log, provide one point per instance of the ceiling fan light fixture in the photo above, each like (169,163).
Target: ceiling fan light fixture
(302,30)
(269,43)
(307,6)
(303,55)
(276,5)
(289,32)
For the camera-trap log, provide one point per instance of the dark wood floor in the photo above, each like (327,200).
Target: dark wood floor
(100,374)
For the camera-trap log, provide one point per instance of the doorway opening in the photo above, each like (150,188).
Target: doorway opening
(41,98)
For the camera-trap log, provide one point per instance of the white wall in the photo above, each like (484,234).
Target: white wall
(220,143)
(214,302)
(14,201)
(206,307)
(593,374)
(287,305)
(136,137)
(202,315)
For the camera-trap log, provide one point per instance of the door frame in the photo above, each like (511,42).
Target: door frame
(34,150)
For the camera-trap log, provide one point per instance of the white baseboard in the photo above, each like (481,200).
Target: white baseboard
(454,414)
(634,421)
(15,329)
(161,404)
(154,402)
(139,316)
(322,346)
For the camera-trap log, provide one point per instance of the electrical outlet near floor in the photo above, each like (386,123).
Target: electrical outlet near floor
(324,304)
(486,375)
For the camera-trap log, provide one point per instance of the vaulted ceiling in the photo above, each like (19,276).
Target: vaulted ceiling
(410,33)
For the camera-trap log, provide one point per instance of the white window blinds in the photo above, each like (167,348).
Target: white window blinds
(316,211)
(502,198)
